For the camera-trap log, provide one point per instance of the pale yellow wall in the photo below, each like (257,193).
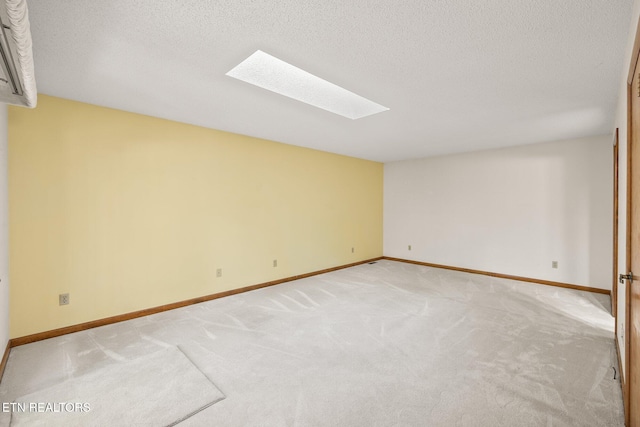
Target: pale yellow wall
(127,212)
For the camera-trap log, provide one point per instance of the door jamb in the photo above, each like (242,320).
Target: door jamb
(627,350)
(614,285)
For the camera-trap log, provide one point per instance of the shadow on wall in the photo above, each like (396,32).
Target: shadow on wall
(577,199)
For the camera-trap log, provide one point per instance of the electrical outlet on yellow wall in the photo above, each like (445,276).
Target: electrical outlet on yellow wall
(63,299)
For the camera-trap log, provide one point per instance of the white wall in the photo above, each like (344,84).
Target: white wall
(621,124)
(510,211)
(4,234)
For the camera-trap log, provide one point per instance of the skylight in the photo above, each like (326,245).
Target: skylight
(268,72)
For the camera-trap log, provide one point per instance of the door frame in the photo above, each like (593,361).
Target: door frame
(628,364)
(616,174)
(627,315)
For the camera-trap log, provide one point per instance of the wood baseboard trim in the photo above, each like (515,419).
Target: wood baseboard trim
(5,357)
(146,312)
(503,276)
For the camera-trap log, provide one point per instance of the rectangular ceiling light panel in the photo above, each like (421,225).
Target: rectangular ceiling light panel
(263,70)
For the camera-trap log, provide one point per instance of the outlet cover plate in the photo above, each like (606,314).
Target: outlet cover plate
(63,299)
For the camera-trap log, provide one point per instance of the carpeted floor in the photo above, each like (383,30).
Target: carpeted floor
(126,393)
(386,344)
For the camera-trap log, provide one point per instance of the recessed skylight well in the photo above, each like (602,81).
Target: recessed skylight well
(268,72)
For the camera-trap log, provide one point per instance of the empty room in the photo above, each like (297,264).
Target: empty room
(299,213)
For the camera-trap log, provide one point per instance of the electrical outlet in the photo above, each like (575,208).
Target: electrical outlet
(219,272)
(409,247)
(275,262)
(63,299)
(554,264)
(353,250)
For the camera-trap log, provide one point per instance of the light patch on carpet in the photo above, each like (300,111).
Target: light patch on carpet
(161,389)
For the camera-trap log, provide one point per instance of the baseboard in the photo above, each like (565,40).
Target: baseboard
(504,276)
(146,312)
(5,357)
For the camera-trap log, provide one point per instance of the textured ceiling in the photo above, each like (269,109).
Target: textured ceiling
(458,75)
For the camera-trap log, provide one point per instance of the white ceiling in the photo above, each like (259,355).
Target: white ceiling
(457,75)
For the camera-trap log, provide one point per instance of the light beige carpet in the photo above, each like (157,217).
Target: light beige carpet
(161,389)
(384,344)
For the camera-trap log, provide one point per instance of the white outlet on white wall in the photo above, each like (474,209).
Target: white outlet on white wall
(554,264)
